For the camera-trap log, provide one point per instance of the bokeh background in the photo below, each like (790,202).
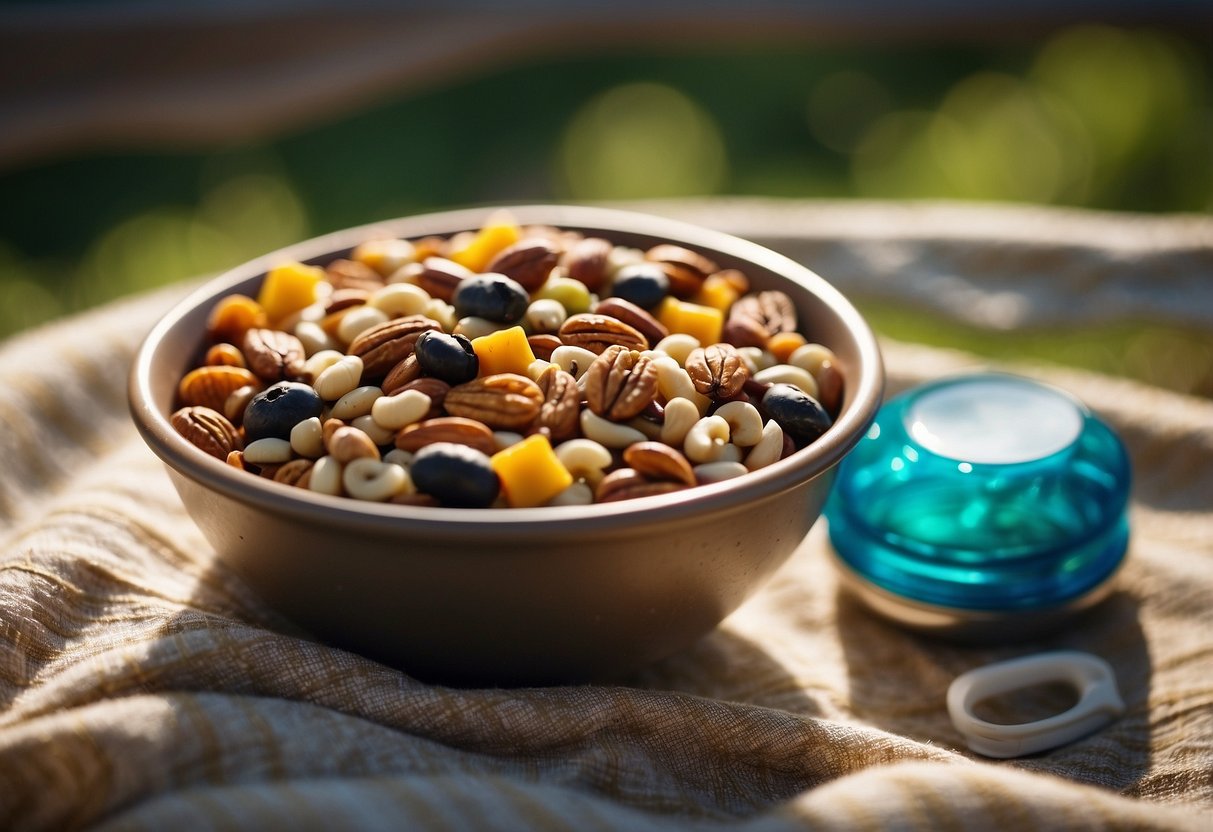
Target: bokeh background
(1110,114)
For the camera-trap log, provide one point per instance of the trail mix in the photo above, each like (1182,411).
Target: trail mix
(512,366)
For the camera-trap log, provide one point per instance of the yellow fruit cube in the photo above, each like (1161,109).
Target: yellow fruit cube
(504,351)
(500,232)
(288,288)
(703,322)
(530,472)
(717,292)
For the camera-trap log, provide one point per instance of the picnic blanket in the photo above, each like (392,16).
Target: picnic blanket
(143,686)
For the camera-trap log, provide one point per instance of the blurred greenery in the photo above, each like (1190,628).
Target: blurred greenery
(1091,116)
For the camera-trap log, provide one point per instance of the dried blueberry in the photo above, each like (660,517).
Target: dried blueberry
(798,413)
(446,357)
(455,475)
(278,408)
(493,297)
(644,284)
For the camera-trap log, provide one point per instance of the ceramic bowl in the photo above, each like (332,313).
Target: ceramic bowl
(512,596)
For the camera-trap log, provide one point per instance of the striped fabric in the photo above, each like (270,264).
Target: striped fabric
(143,687)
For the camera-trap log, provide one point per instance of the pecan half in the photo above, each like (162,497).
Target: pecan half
(685,269)
(274,355)
(505,401)
(717,371)
(620,383)
(544,344)
(296,472)
(587,261)
(416,436)
(344,299)
(628,484)
(440,277)
(634,316)
(755,318)
(210,386)
(404,372)
(207,430)
(561,406)
(528,261)
(351,274)
(658,461)
(385,345)
(597,332)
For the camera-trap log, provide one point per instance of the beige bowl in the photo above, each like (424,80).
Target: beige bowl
(512,596)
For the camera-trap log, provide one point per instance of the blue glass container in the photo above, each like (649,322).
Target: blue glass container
(984,506)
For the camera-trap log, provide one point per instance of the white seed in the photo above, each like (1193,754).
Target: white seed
(339,379)
(745,422)
(810,357)
(357,402)
(314,338)
(321,361)
(443,313)
(756,358)
(573,360)
(326,476)
(648,427)
(385,256)
(379,435)
(545,315)
(788,374)
(405,408)
(585,459)
(577,494)
(621,256)
(705,439)
(307,438)
(358,320)
(608,433)
(769,449)
(396,456)
(473,328)
(267,451)
(503,439)
(673,382)
(711,472)
(399,299)
(677,346)
(537,368)
(372,479)
(680,415)
(315,312)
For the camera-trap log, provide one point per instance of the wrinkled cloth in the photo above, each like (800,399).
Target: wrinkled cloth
(144,686)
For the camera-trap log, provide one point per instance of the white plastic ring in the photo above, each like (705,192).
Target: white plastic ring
(1092,678)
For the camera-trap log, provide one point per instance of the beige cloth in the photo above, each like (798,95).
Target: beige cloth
(143,687)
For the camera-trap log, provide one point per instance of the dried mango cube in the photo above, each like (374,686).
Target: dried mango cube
(530,472)
(702,322)
(500,232)
(504,351)
(717,292)
(288,288)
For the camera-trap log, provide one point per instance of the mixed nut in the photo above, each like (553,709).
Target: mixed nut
(510,366)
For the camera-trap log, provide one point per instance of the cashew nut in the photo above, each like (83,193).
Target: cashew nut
(357,402)
(267,451)
(680,415)
(573,360)
(608,433)
(358,320)
(339,379)
(326,476)
(769,449)
(405,408)
(307,438)
(706,439)
(677,346)
(745,422)
(585,459)
(718,472)
(373,480)
(788,374)
(399,299)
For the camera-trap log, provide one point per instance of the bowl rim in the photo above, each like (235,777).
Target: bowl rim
(488,525)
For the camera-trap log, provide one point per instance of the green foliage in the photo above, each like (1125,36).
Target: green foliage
(1093,116)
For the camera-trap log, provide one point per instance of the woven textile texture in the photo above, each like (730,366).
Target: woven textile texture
(142,686)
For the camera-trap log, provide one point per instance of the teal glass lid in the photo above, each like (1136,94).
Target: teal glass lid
(985,493)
